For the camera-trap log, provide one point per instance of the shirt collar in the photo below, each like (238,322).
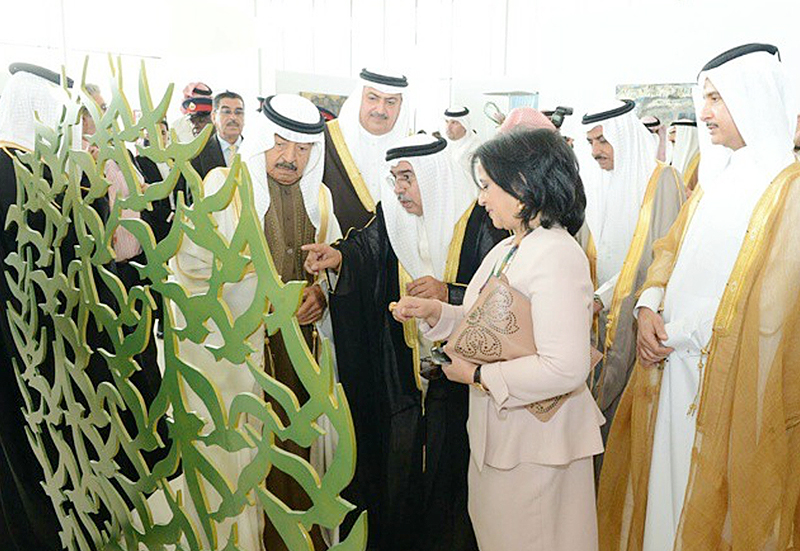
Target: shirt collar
(225,145)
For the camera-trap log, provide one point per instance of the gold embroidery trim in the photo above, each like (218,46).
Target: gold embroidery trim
(5,144)
(697,195)
(350,166)
(627,275)
(324,214)
(410,330)
(591,254)
(691,169)
(754,240)
(457,241)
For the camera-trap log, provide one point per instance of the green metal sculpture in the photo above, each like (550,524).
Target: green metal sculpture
(79,332)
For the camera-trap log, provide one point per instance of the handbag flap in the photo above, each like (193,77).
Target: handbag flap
(498,326)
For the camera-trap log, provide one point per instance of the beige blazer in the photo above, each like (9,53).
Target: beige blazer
(552,270)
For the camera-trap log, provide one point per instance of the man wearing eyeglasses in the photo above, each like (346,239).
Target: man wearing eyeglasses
(425,240)
(227,117)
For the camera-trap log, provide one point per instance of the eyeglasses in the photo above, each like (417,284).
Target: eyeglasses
(228,112)
(404,179)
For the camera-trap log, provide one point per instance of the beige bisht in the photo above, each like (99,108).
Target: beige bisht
(627,209)
(727,471)
(662,201)
(744,480)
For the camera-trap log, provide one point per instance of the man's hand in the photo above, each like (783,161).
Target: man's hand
(313,305)
(321,257)
(428,287)
(651,334)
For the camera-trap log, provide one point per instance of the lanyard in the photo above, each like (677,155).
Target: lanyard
(501,268)
(506,260)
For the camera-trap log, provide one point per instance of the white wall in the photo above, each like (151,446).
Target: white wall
(568,50)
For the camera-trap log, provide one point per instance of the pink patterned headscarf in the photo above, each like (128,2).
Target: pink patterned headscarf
(525,117)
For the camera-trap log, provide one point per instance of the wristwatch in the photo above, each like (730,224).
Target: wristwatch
(476,379)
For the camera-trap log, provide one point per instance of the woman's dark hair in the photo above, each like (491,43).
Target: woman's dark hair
(539,169)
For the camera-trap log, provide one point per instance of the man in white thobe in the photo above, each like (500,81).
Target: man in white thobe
(741,98)
(462,141)
(291,122)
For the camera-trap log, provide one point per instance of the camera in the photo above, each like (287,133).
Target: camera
(557,116)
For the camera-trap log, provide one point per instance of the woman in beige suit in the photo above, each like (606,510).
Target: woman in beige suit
(531,484)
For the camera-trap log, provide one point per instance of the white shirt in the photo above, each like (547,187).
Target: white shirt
(226,148)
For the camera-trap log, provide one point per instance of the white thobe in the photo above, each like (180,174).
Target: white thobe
(693,294)
(461,152)
(192,267)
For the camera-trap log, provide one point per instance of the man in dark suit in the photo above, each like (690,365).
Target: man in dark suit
(228,119)
(227,116)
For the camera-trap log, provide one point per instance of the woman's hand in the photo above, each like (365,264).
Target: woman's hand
(426,309)
(460,371)
(321,257)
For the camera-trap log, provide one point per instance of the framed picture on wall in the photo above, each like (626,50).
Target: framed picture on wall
(668,102)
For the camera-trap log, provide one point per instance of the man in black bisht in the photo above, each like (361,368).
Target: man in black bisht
(27,518)
(373,118)
(423,241)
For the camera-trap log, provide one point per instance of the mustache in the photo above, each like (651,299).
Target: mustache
(403,198)
(382,116)
(286,166)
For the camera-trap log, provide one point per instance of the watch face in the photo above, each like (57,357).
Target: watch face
(476,377)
